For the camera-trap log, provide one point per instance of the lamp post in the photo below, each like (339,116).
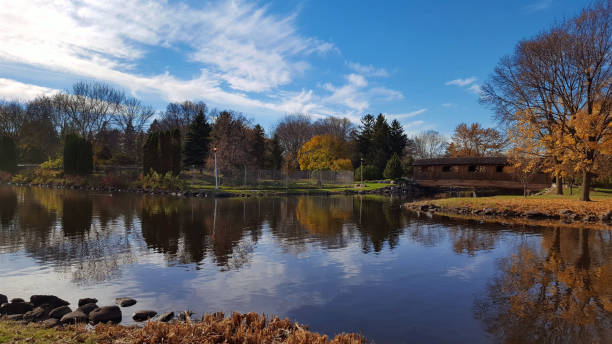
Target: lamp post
(216,175)
(361,171)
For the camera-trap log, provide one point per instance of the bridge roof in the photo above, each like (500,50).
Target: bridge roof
(497,160)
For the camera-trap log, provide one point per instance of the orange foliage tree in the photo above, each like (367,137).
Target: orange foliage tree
(324,152)
(475,140)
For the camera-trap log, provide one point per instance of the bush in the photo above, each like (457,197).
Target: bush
(157,181)
(162,152)
(394,168)
(78,156)
(8,154)
(370,172)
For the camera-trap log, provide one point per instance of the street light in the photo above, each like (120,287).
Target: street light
(361,172)
(216,175)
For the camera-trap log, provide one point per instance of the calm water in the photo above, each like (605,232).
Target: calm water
(334,263)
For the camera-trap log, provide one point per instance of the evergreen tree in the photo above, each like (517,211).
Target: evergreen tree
(8,154)
(394,169)
(259,145)
(399,139)
(149,153)
(364,138)
(381,143)
(197,142)
(78,155)
(175,142)
(275,160)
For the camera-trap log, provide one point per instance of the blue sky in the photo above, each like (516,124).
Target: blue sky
(418,61)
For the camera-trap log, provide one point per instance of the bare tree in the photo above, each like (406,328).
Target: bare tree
(292,132)
(180,115)
(429,144)
(12,117)
(339,127)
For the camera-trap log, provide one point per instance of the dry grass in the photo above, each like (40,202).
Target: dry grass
(214,328)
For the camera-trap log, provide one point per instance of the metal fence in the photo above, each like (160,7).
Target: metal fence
(258,177)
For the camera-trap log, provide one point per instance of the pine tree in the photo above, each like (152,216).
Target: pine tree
(175,144)
(197,142)
(259,145)
(381,143)
(399,140)
(394,169)
(78,155)
(364,138)
(276,154)
(8,154)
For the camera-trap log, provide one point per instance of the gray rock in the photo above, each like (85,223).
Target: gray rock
(183,316)
(88,308)
(14,317)
(166,317)
(125,301)
(59,312)
(36,315)
(74,318)
(51,300)
(144,315)
(87,300)
(566,212)
(535,215)
(49,323)
(16,308)
(106,314)
(3,299)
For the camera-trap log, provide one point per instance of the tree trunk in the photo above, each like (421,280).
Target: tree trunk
(586,187)
(559,184)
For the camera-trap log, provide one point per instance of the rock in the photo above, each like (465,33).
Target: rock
(533,214)
(16,308)
(59,312)
(424,207)
(166,317)
(14,317)
(51,300)
(125,301)
(17,300)
(74,318)
(106,314)
(87,300)
(566,212)
(36,315)
(49,323)
(607,217)
(88,308)
(144,315)
(591,218)
(3,299)
(184,315)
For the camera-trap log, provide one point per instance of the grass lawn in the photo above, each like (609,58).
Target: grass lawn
(11,332)
(197,185)
(548,203)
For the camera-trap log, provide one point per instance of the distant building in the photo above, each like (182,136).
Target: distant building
(475,172)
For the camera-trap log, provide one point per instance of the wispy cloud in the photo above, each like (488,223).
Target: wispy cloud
(368,70)
(15,90)
(407,115)
(461,82)
(538,5)
(475,89)
(447,105)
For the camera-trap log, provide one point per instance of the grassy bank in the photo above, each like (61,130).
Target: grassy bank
(214,328)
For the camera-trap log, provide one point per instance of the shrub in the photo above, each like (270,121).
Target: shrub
(158,181)
(370,172)
(78,156)
(394,169)
(8,154)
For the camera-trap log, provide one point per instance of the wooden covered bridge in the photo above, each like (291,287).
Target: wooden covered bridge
(486,172)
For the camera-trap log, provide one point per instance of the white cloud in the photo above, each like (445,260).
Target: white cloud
(447,105)
(368,70)
(461,82)
(538,5)
(475,89)
(15,90)
(406,115)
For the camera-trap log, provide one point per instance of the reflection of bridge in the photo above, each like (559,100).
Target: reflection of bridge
(485,172)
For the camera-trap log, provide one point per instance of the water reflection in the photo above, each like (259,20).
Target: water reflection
(320,260)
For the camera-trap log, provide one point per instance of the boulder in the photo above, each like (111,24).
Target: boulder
(36,315)
(535,215)
(59,312)
(88,308)
(16,308)
(17,300)
(166,317)
(144,315)
(87,300)
(14,317)
(125,301)
(607,217)
(106,314)
(3,299)
(49,323)
(566,212)
(51,300)
(74,318)
(183,316)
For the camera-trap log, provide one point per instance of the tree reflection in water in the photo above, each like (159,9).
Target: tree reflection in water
(558,293)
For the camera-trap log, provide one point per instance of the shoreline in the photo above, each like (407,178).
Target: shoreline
(47,319)
(564,214)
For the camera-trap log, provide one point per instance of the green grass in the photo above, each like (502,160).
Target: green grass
(12,332)
(306,188)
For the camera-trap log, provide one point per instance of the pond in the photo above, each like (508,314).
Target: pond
(337,264)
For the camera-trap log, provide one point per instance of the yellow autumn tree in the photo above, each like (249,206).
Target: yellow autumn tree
(324,152)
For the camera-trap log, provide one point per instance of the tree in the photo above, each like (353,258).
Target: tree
(197,142)
(78,155)
(399,140)
(324,152)
(370,172)
(162,152)
(12,116)
(394,168)
(292,132)
(557,87)
(179,115)
(8,154)
(233,137)
(259,146)
(364,138)
(429,144)
(275,154)
(131,119)
(474,140)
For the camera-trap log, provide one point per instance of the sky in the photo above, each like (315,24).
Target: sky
(421,62)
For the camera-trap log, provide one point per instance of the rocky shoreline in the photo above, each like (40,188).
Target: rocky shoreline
(51,311)
(563,216)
